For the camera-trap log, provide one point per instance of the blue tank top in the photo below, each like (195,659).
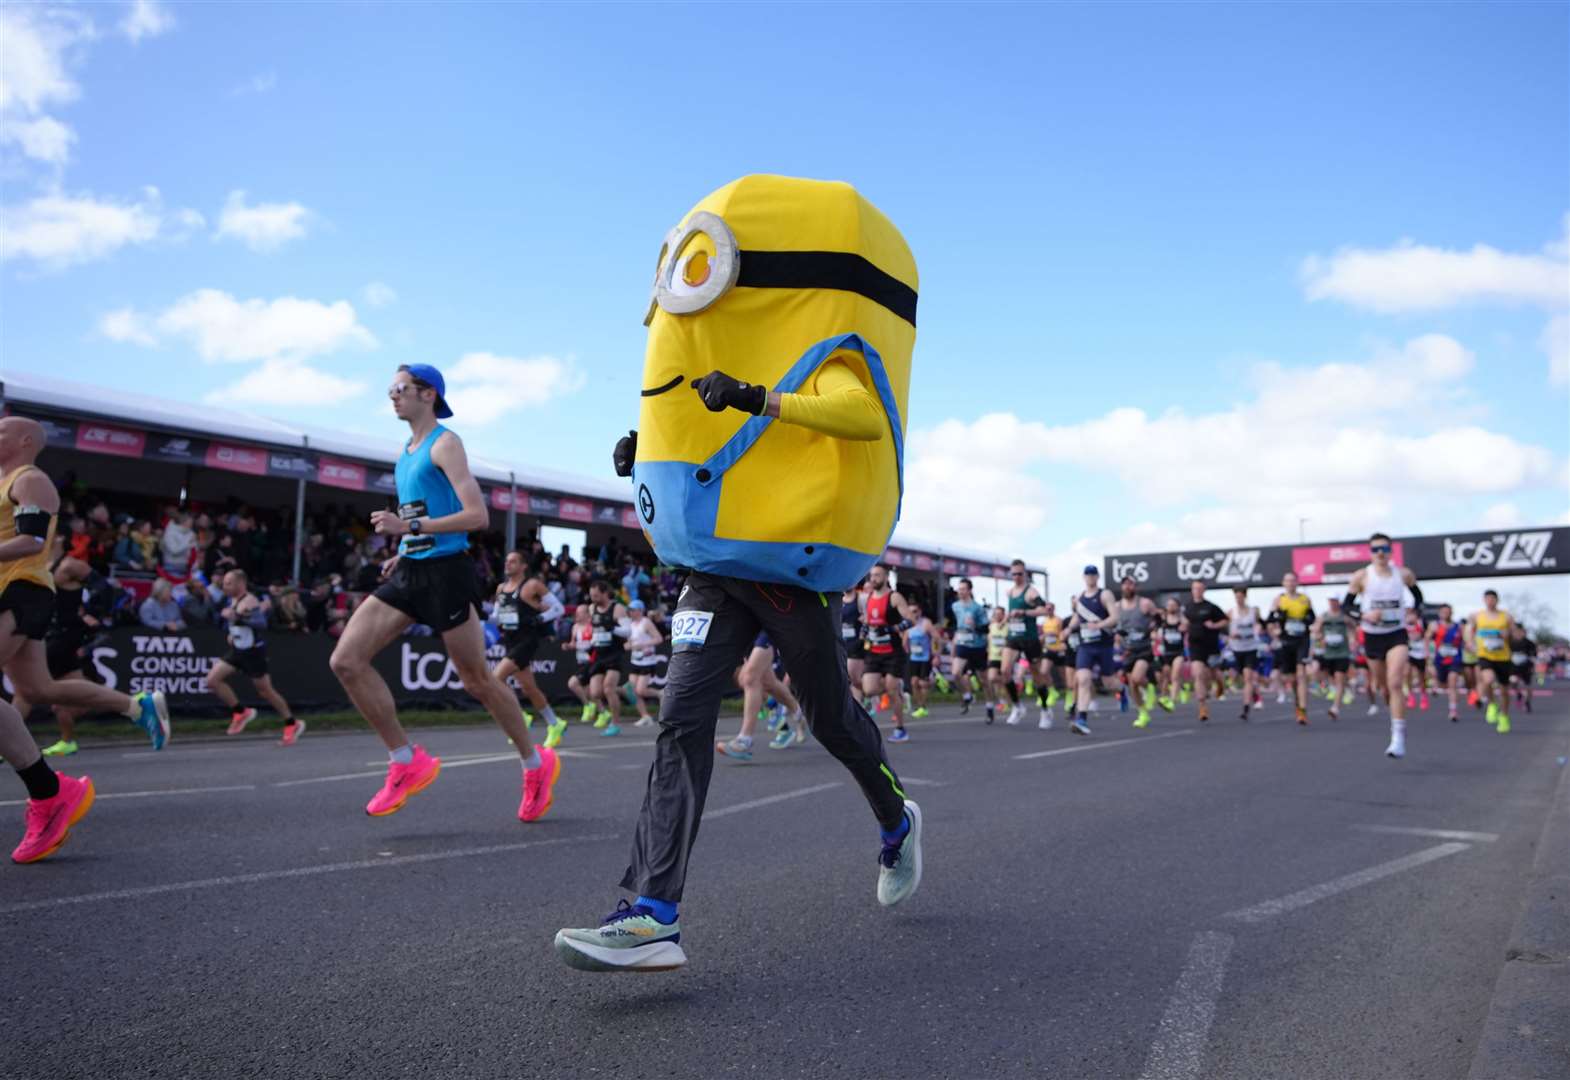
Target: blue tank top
(920,644)
(424,491)
(970,624)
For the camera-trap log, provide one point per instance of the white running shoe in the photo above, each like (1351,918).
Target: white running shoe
(1045,723)
(1016,713)
(644,721)
(1373,710)
(1094,706)
(1397,747)
(1281,698)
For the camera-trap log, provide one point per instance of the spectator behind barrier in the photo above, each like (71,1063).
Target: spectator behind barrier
(159,611)
(178,547)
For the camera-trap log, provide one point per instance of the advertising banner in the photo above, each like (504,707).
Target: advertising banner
(100,438)
(251,460)
(182,449)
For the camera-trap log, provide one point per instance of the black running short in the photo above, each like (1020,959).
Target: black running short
(1502,669)
(889,663)
(1335,665)
(32,605)
(1201,651)
(1378,646)
(1522,671)
(251,663)
(438,592)
(1292,653)
(521,650)
(604,665)
(994,665)
(1028,647)
(1419,662)
(1247,660)
(921,669)
(855,649)
(975,656)
(63,654)
(1130,659)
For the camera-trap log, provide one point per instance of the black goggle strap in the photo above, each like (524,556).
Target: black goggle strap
(843,270)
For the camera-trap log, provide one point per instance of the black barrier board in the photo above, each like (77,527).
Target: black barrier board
(1506,552)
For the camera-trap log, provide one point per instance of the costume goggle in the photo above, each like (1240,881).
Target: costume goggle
(693,276)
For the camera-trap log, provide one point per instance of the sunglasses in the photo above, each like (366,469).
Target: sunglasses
(1379,549)
(397,390)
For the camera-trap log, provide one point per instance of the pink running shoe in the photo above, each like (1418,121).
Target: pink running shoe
(1422,702)
(238,721)
(403,781)
(1411,702)
(292,733)
(49,821)
(538,785)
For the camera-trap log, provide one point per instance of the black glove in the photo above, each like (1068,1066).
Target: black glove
(625,453)
(720,392)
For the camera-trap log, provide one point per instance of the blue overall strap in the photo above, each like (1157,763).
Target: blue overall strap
(738,444)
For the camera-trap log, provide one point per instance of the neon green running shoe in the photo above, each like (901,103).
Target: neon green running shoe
(1030,687)
(1504,724)
(1052,697)
(603,719)
(528,720)
(629,939)
(1143,719)
(1492,714)
(1185,696)
(918,713)
(587,716)
(1166,703)
(63,748)
(553,734)
(943,685)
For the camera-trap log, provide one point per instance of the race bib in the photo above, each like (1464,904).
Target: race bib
(691,628)
(848,631)
(1016,628)
(1051,639)
(642,656)
(1448,651)
(1296,627)
(1518,659)
(602,637)
(1136,635)
(1333,638)
(507,619)
(1174,637)
(241,637)
(1090,633)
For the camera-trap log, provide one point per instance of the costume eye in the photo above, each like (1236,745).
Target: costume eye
(699,263)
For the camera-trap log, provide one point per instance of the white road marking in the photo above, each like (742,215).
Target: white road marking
(768,800)
(1269,909)
(1179,1050)
(381,860)
(916,781)
(152,794)
(487,760)
(1437,834)
(1100,745)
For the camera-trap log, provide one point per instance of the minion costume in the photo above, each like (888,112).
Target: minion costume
(769,462)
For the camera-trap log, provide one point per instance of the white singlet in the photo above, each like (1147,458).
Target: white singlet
(1384,601)
(1243,631)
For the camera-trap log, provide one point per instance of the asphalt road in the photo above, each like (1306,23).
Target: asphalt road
(1224,901)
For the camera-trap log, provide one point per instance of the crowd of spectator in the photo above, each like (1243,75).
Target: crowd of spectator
(185,551)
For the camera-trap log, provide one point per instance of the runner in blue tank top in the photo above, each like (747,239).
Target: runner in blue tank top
(431,580)
(1095,619)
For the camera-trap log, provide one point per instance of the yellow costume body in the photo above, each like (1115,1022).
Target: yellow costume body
(804,287)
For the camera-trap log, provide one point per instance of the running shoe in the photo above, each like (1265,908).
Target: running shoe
(737,749)
(292,733)
(1411,701)
(943,684)
(1422,703)
(1454,718)
(49,821)
(609,731)
(964,705)
(800,728)
(1373,710)
(1122,699)
(1143,719)
(992,713)
(1397,747)
(1347,697)
(1471,699)
(1044,721)
(1504,724)
(154,717)
(528,720)
(899,865)
(1335,713)
(782,738)
(899,734)
(628,939)
(1492,715)
(238,721)
(919,713)
(1302,717)
(1016,714)
(644,721)
(1079,726)
(602,719)
(1052,697)
(1184,696)
(1204,714)
(554,733)
(1281,698)
(63,748)
(770,718)
(1526,699)
(404,781)
(1166,704)
(587,716)
(1244,714)
(883,703)
(539,786)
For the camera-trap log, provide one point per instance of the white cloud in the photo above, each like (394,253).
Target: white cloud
(35,43)
(1415,277)
(147,18)
(1501,515)
(223,329)
(1347,446)
(260,83)
(1555,341)
(379,294)
(263,227)
(58,230)
(125,325)
(483,387)
(287,382)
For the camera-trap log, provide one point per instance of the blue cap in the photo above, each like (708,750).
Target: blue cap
(637,605)
(1093,570)
(428,374)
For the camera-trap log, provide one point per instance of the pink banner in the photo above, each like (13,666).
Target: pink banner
(241,459)
(1335,564)
(108,439)
(629,519)
(340,474)
(501,499)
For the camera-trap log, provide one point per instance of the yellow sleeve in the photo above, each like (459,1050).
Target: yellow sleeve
(836,403)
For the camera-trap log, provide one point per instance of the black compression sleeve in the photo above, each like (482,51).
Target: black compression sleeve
(1417,597)
(33,522)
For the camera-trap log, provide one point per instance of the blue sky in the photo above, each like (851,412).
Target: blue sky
(1185,268)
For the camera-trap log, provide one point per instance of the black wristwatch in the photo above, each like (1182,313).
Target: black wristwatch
(414,526)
